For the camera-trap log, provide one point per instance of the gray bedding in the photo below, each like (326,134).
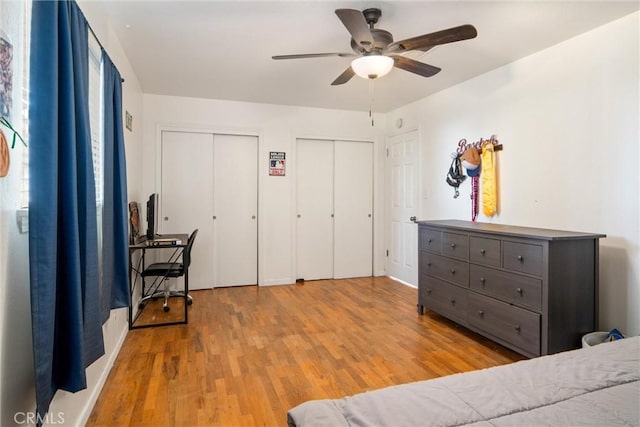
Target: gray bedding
(598,386)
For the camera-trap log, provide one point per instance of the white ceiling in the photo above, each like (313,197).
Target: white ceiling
(222,50)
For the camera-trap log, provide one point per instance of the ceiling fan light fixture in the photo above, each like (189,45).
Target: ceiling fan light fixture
(372,66)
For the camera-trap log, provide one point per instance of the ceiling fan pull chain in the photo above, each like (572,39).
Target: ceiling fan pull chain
(371,100)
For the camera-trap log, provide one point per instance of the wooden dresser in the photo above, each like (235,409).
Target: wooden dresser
(529,289)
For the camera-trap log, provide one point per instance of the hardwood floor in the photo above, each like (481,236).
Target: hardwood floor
(249,354)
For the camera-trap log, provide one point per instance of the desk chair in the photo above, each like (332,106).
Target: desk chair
(166,270)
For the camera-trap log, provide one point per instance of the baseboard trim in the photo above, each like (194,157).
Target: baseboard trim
(403,282)
(95,392)
(273,282)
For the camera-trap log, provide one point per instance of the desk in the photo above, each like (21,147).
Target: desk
(135,275)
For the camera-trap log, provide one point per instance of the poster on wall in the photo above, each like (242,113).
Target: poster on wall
(277,163)
(6,75)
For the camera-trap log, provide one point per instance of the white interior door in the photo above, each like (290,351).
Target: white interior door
(235,206)
(186,199)
(353,208)
(314,226)
(403,166)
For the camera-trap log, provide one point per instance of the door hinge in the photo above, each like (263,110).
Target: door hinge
(387,252)
(387,152)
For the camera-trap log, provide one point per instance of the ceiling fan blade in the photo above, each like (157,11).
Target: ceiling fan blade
(416,67)
(427,41)
(313,55)
(357,26)
(344,77)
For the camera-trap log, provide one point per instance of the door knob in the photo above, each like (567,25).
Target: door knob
(253,217)
(166,218)
(299,216)
(413,219)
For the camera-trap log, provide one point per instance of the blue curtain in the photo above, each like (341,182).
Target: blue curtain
(63,245)
(115,220)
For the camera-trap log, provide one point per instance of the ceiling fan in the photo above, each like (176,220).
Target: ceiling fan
(376,52)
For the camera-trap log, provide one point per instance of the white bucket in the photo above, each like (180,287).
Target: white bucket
(594,338)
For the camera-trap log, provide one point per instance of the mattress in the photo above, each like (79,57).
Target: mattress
(597,385)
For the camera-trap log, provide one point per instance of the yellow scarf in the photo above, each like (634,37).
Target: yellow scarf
(488,175)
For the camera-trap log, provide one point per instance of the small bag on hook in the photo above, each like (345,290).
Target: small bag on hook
(5,159)
(456,176)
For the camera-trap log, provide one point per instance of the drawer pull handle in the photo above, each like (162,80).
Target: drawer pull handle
(453,271)
(453,245)
(519,290)
(429,291)
(517,328)
(429,240)
(520,258)
(428,264)
(453,300)
(482,280)
(480,313)
(482,251)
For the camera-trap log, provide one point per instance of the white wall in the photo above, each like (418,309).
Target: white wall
(277,128)
(568,118)
(17,395)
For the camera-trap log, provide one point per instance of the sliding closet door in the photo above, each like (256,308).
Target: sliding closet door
(353,209)
(314,209)
(186,197)
(235,205)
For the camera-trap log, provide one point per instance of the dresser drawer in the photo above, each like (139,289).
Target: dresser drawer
(513,325)
(455,245)
(444,268)
(522,257)
(430,240)
(484,251)
(444,298)
(513,288)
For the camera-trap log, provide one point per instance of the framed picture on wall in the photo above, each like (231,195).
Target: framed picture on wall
(6,75)
(277,163)
(129,121)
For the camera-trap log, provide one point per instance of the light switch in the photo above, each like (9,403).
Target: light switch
(22,219)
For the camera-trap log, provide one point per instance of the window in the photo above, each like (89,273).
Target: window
(24,190)
(95,110)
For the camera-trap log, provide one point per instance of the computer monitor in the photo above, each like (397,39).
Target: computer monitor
(152,215)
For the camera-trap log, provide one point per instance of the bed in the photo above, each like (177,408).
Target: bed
(597,385)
